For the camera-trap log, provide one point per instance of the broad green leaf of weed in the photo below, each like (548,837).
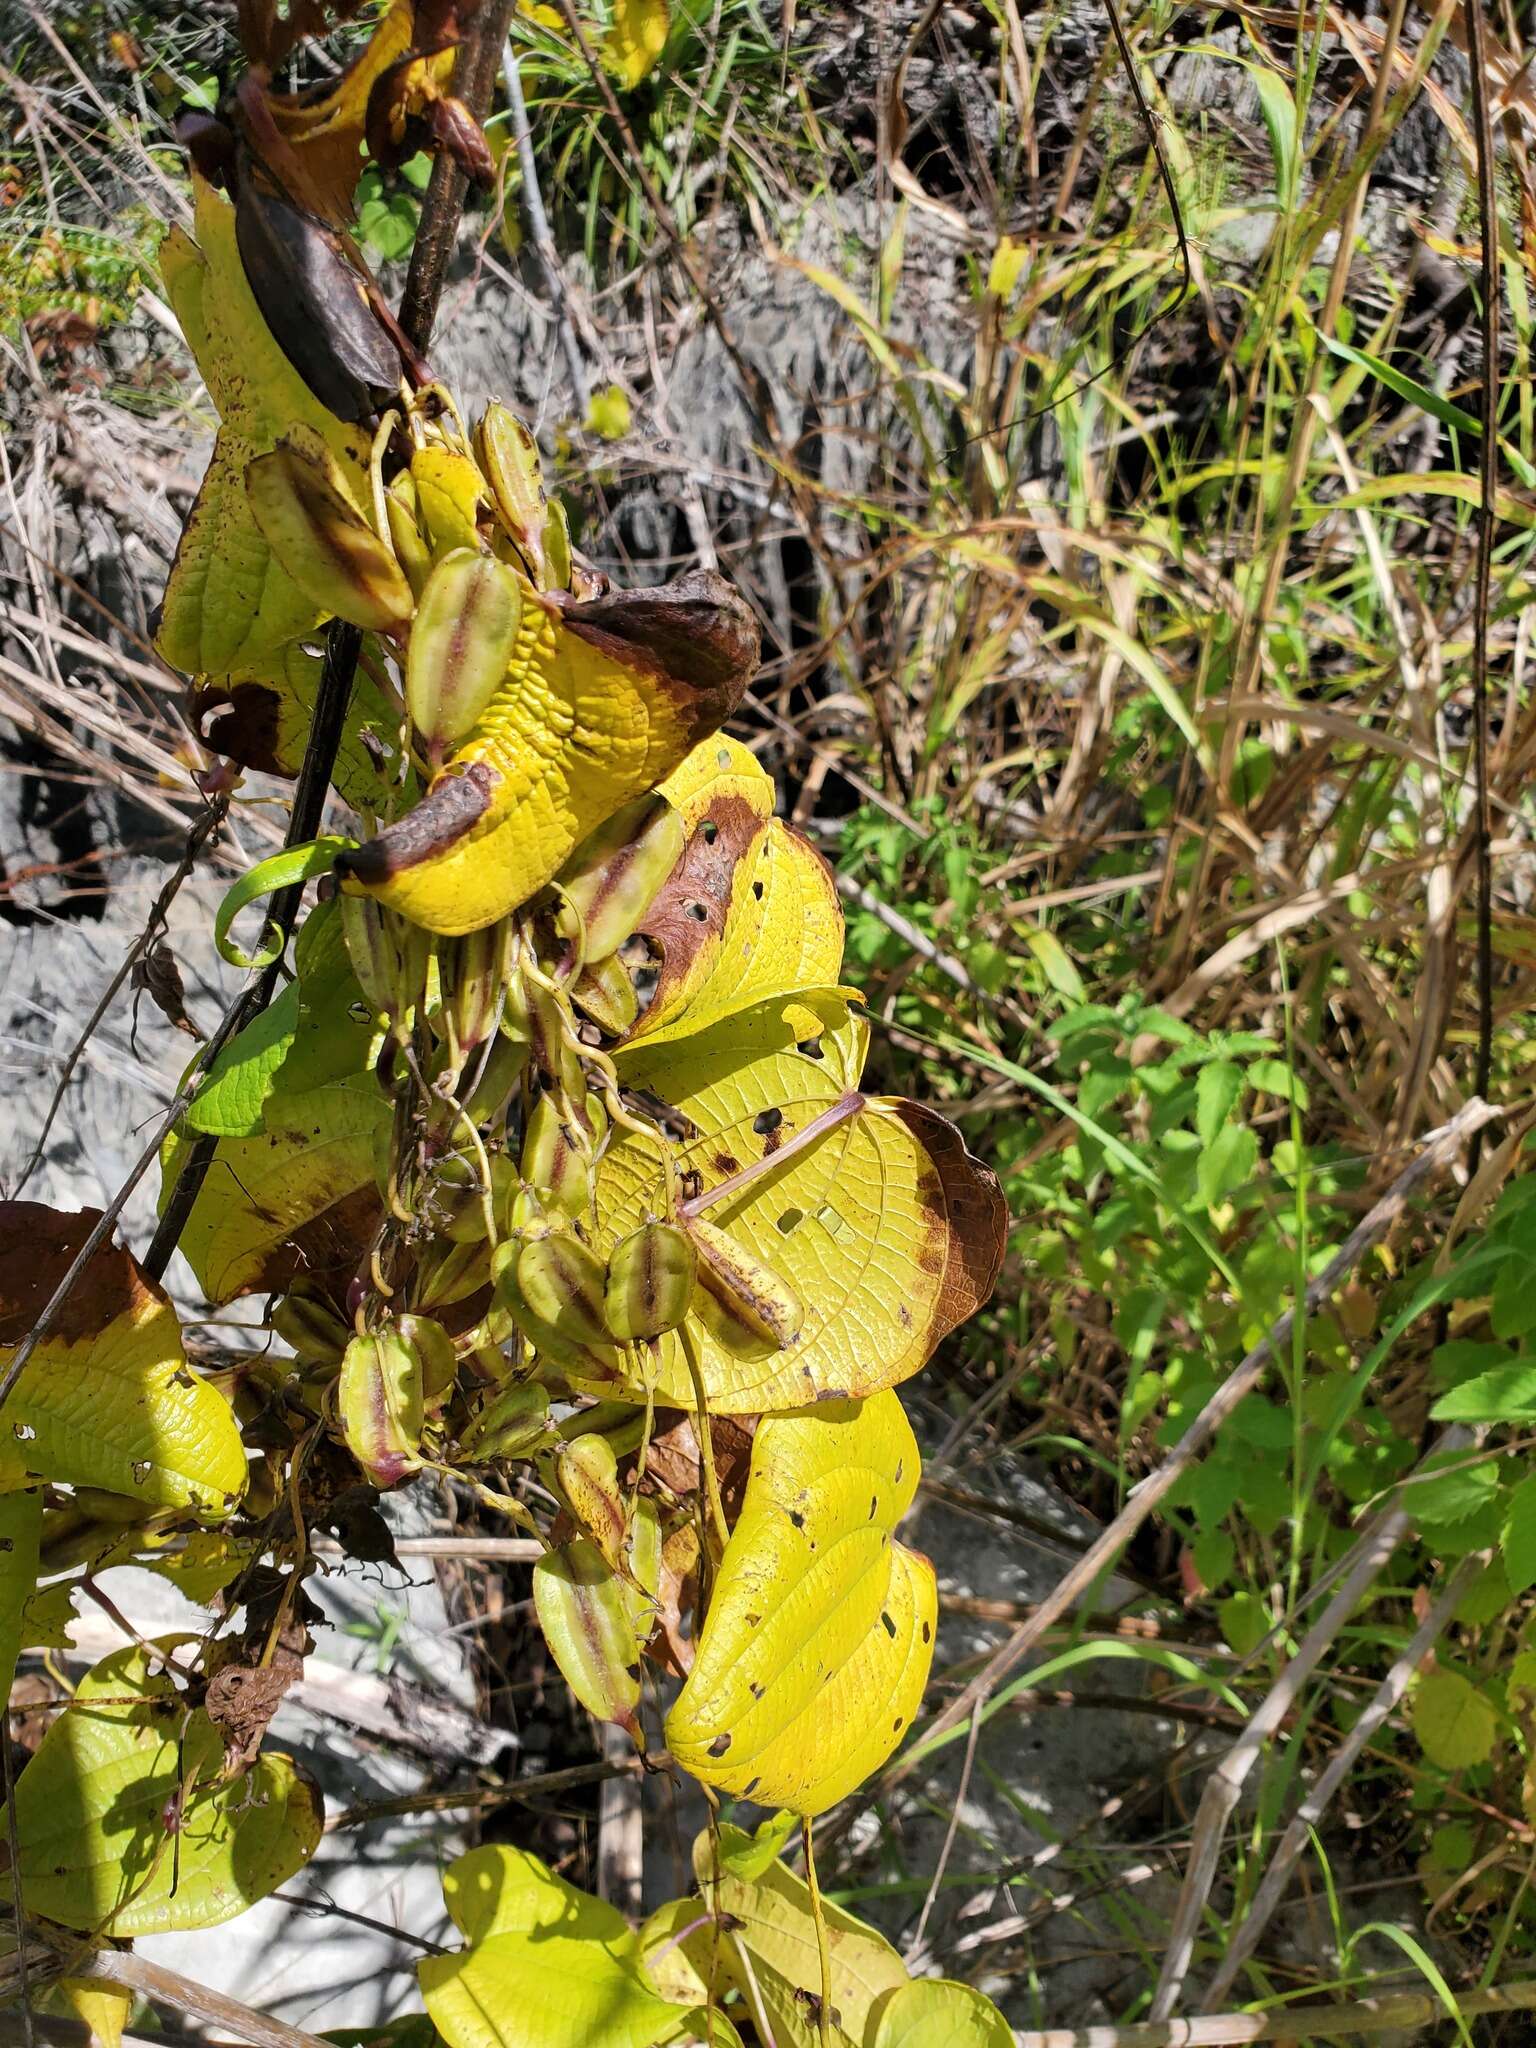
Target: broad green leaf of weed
(1455,1724)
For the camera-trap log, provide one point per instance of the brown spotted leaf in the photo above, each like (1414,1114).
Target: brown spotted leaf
(107,1398)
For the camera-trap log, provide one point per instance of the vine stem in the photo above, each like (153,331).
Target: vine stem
(823,1946)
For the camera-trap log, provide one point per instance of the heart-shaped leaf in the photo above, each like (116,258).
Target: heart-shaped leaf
(883,1226)
(546,1966)
(935,2013)
(127,1764)
(816,1646)
(107,1398)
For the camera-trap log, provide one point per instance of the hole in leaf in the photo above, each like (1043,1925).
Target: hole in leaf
(709,831)
(767,1120)
(811,1047)
(757,891)
(723,758)
(697,912)
(789,1219)
(23,1432)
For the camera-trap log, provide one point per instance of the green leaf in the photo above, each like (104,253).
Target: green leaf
(293,866)
(1217,1087)
(1517,1539)
(21,1522)
(1244,1621)
(90,1811)
(1055,962)
(1404,386)
(545,1966)
(752,1856)
(1274,1077)
(816,1646)
(229,1100)
(1456,1726)
(769,1940)
(1455,1487)
(935,2013)
(1226,1164)
(1506,1394)
(107,1399)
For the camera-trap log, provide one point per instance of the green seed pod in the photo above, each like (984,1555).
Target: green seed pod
(434,1347)
(584,1613)
(605,991)
(561,1281)
(650,1282)
(451,1272)
(379,1403)
(411,548)
(509,460)
(550,1031)
(493,1080)
(330,551)
(587,1474)
(461,643)
(614,875)
(474,972)
(554,1164)
(310,1327)
(511,1422)
(557,547)
(457,1204)
(370,950)
(744,1294)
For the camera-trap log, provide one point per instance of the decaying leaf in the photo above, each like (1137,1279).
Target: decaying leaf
(816,1646)
(123,1766)
(262,722)
(107,1398)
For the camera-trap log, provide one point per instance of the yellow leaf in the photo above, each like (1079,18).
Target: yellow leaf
(767,1940)
(632,46)
(229,606)
(601,700)
(935,2013)
(91,1806)
(608,413)
(750,909)
(883,1227)
(816,1646)
(104,2008)
(1009,259)
(106,1399)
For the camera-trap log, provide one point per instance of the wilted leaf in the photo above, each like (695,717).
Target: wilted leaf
(91,1812)
(600,701)
(297,1200)
(107,1399)
(230,610)
(546,1966)
(819,1634)
(884,1228)
(325,127)
(935,2013)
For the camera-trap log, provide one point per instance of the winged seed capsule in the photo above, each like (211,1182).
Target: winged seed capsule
(461,643)
(379,1402)
(587,1473)
(650,1282)
(751,1294)
(330,551)
(561,1281)
(552,1160)
(616,873)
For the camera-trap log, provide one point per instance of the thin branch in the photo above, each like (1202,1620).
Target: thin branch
(1283,1857)
(168,1987)
(543,1786)
(538,226)
(1438,1148)
(1492,287)
(1401,2011)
